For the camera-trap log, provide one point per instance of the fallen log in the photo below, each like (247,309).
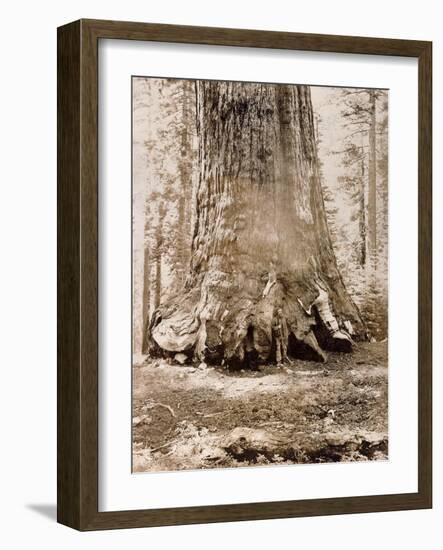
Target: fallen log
(248,444)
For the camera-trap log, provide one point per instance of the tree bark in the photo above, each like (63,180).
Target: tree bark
(362,216)
(146,299)
(261,249)
(158,280)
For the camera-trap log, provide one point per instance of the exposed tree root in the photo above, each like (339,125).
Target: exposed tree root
(268,321)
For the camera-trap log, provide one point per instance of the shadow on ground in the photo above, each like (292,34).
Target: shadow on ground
(48,511)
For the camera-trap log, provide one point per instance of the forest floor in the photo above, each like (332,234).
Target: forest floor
(188,417)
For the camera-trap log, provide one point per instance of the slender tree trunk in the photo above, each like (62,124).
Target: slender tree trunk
(261,249)
(158,258)
(146,299)
(362,217)
(158,280)
(372,177)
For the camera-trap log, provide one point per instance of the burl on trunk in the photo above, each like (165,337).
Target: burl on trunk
(263,281)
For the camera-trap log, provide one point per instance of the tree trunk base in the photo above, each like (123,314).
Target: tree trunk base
(219,324)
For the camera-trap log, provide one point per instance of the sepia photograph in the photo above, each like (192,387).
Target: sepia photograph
(259,274)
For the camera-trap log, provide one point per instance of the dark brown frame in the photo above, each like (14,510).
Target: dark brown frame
(77,456)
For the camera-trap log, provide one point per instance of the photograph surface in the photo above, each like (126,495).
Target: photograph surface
(260,274)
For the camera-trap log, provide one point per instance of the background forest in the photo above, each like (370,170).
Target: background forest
(352,140)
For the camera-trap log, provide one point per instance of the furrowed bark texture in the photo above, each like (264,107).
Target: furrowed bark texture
(263,280)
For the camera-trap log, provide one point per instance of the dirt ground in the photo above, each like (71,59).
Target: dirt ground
(191,417)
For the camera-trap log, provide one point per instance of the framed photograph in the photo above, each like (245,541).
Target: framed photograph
(244,275)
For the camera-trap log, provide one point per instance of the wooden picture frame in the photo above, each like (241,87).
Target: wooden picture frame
(77,456)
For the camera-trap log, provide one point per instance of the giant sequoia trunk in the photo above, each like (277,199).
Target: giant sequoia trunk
(263,279)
